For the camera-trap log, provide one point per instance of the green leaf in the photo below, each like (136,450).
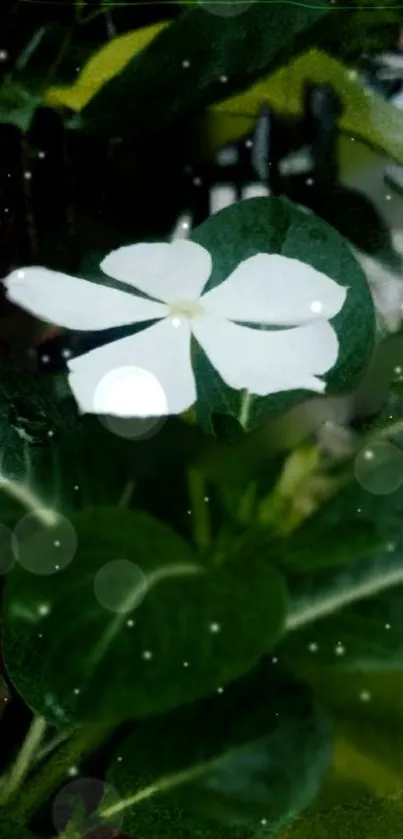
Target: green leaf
(239,48)
(17,104)
(236,765)
(273,225)
(182,630)
(353,616)
(365,114)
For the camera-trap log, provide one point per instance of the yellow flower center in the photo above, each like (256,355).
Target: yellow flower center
(184,309)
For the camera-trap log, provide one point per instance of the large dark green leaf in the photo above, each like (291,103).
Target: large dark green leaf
(369,818)
(196,628)
(197,60)
(246,760)
(273,225)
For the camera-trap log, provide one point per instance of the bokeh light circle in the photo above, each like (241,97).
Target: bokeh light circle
(378,467)
(44,549)
(83,800)
(120,586)
(137,397)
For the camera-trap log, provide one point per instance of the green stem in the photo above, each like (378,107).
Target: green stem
(55,771)
(199,509)
(127,493)
(24,758)
(245,408)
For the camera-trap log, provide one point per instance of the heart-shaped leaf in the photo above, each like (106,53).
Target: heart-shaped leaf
(144,625)
(235,765)
(273,225)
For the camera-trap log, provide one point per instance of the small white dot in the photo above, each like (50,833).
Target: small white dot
(390,547)
(339,649)
(56,543)
(388,197)
(368,454)
(206,498)
(6,210)
(119,759)
(66,353)
(313,648)
(352,75)
(359,510)
(223,79)
(214,627)
(72,771)
(352,139)
(309,181)
(147,654)
(365,696)
(27,175)
(57,567)
(263,821)
(274,660)
(316,306)
(3,55)
(41,155)
(43,609)
(186,664)
(185,225)
(40,635)
(50,433)
(76,487)
(186,63)
(220,690)
(397,370)
(387,625)
(189,512)
(197,181)
(76,691)
(130,623)
(45,359)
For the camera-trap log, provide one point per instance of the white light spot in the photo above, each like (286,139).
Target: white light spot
(66,353)
(186,664)
(186,63)
(72,771)
(368,454)
(50,433)
(130,623)
(76,487)
(365,696)
(223,79)
(316,306)
(197,181)
(220,690)
(41,155)
(45,359)
(214,627)
(43,609)
(3,55)
(274,660)
(119,759)
(388,197)
(189,512)
(248,144)
(397,370)
(76,691)
(387,625)
(130,392)
(313,648)
(27,175)
(263,821)
(57,567)
(390,547)
(147,655)
(339,649)
(206,498)
(309,181)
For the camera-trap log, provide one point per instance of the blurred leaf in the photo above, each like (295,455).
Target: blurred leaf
(175,632)
(247,761)
(349,618)
(365,819)
(273,225)
(183,68)
(17,104)
(109,61)
(365,114)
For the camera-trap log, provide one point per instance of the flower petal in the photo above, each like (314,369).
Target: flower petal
(173,271)
(75,303)
(265,362)
(160,354)
(275,290)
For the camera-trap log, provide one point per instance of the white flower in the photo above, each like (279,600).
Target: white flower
(269,290)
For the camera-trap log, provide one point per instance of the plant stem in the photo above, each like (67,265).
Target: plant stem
(53,773)
(245,408)
(24,758)
(199,509)
(25,496)
(127,493)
